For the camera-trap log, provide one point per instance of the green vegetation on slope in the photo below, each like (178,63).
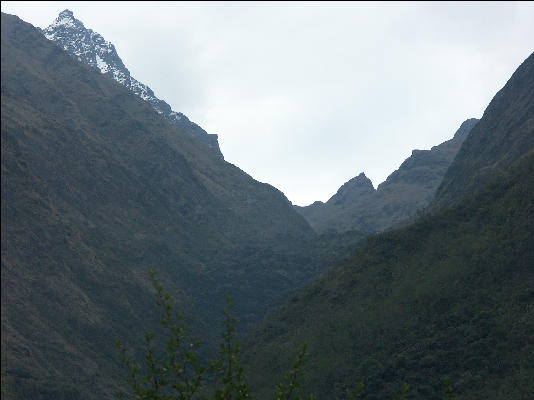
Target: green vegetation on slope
(450,295)
(171,368)
(97,189)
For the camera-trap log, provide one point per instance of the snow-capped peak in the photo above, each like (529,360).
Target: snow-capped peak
(87,46)
(64,20)
(91,48)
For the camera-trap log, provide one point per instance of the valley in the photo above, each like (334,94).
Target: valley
(428,277)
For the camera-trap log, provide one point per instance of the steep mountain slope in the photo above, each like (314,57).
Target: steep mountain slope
(358,206)
(97,189)
(504,134)
(452,294)
(91,48)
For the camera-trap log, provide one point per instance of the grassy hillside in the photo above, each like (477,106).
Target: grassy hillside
(450,295)
(97,189)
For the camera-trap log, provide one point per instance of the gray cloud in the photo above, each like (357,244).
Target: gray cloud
(306,96)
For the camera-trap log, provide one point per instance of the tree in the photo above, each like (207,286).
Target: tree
(233,383)
(176,373)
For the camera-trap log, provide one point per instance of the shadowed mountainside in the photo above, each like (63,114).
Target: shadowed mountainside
(505,133)
(450,295)
(97,188)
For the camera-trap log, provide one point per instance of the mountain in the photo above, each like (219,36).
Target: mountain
(357,206)
(98,188)
(320,215)
(505,134)
(91,48)
(450,295)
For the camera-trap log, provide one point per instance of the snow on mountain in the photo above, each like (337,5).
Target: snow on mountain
(91,48)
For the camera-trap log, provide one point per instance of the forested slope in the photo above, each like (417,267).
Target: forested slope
(450,295)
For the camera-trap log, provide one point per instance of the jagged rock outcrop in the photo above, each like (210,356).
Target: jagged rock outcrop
(91,48)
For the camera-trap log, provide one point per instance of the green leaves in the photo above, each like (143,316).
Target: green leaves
(286,388)
(178,374)
(447,389)
(232,381)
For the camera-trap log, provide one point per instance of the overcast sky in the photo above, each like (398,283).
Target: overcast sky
(305,96)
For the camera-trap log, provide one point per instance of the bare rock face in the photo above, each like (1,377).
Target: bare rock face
(91,48)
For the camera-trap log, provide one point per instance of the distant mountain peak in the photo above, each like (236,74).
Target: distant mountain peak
(66,17)
(65,21)
(66,13)
(356,187)
(359,181)
(357,206)
(91,48)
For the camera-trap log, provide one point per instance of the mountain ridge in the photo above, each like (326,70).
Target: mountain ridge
(405,191)
(97,188)
(496,143)
(90,47)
